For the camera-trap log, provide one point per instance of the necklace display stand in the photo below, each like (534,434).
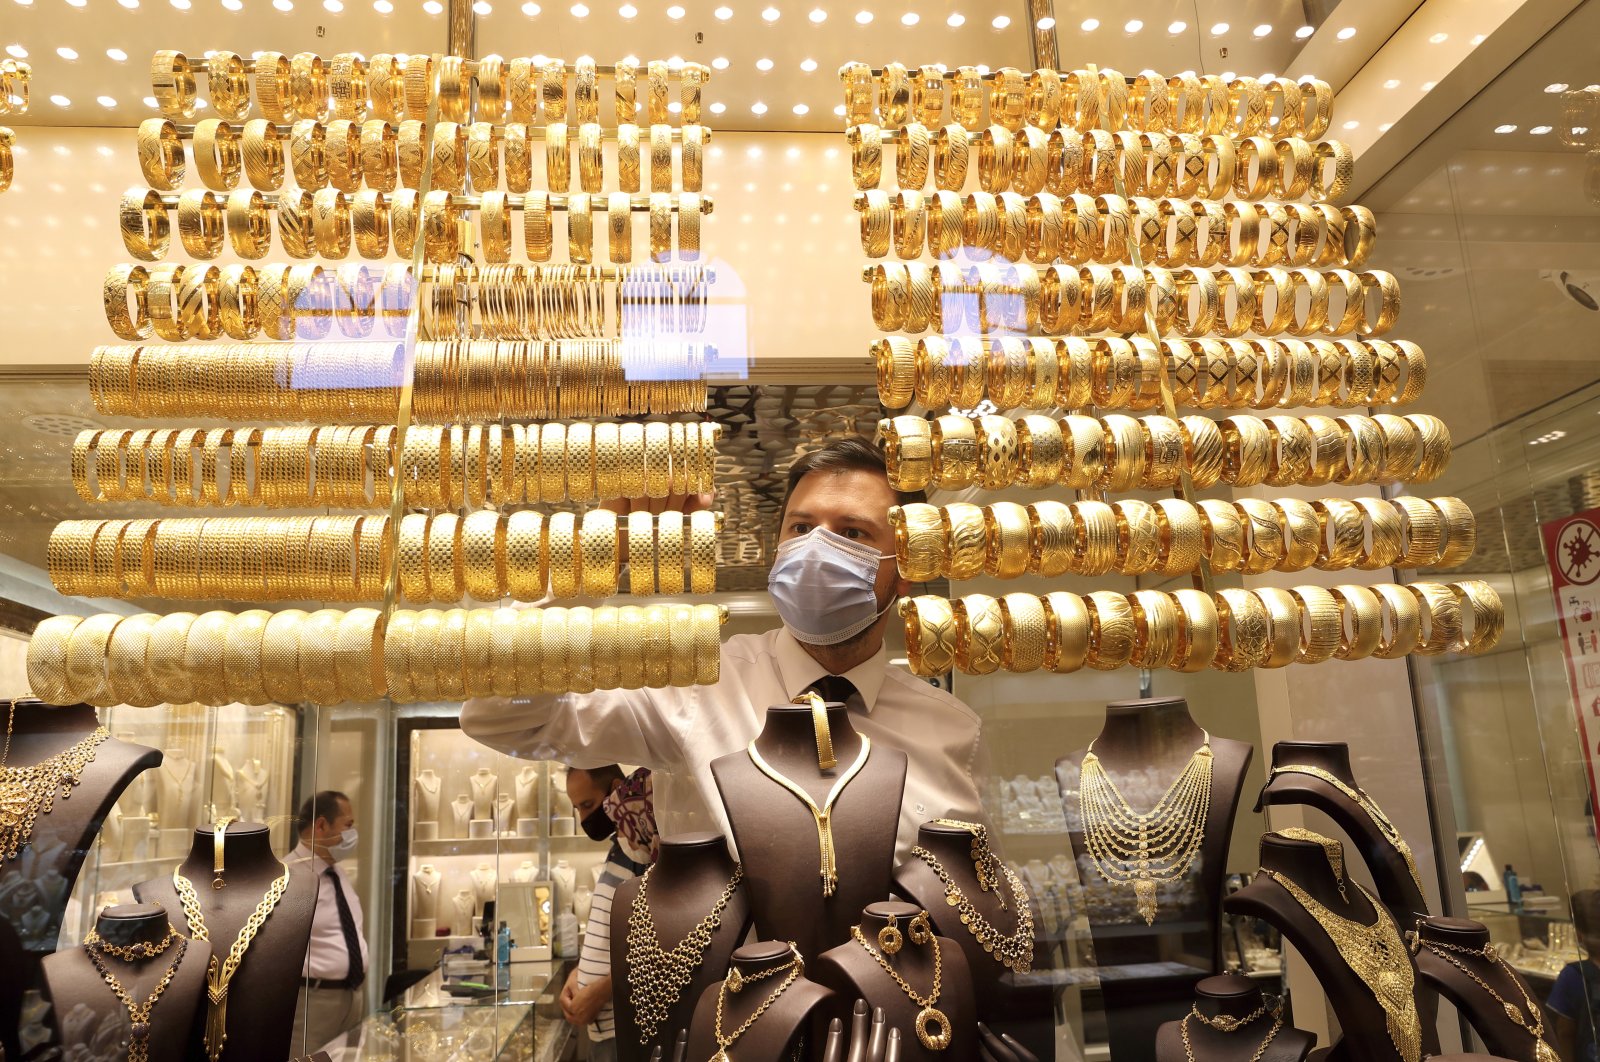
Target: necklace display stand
(485,785)
(483,879)
(1231,996)
(794,1026)
(525,784)
(686,881)
(465,907)
(264,991)
(1018,1004)
(425,900)
(71,981)
(776,835)
(251,781)
(1362,1019)
(35,886)
(426,793)
(1487,1014)
(854,974)
(1143,746)
(176,795)
(224,785)
(461,815)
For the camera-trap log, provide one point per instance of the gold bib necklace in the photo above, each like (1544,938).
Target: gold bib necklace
(1151,848)
(219,974)
(1365,803)
(824,814)
(29,792)
(657,976)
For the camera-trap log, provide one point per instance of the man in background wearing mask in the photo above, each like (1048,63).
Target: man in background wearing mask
(336,958)
(834,583)
(611,805)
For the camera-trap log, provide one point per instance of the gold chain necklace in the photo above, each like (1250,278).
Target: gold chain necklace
(824,814)
(1366,803)
(1533,1023)
(1224,1024)
(138,1013)
(929,1014)
(1377,956)
(1146,849)
(28,792)
(736,982)
(219,974)
(1013,950)
(138,950)
(657,976)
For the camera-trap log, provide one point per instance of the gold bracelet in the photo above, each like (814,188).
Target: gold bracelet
(1111,630)
(669,552)
(1398,636)
(702,552)
(580,651)
(1067,629)
(1244,634)
(980,634)
(657,646)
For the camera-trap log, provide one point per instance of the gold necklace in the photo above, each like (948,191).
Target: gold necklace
(1225,1024)
(1533,1023)
(138,1013)
(219,974)
(1377,956)
(1146,849)
(1332,850)
(1013,950)
(824,814)
(138,950)
(736,982)
(657,976)
(1367,805)
(29,792)
(929,1014)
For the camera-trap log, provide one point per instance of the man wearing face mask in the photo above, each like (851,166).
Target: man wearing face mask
(834,583)
(336,958)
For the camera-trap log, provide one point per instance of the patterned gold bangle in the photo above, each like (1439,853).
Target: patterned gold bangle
(1155,620)
(1283,626)
(1007,534)
(1442,620)
(670,552)
(681,669)
(598,544)
(452,655)
(563,554)
(641,553)
(1400,626)
(477,645)
(308,86)
(657,646)
(1025,625)
(203,649)
(241,659)
(1112,631)
(1482,603)
(280,657)
(631,647)
(1244,630)
(127,670)
(702,552)
(980,634)
(1361,622)
(173,84)
(708,620)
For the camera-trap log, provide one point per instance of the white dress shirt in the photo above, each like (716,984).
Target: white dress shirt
(327,957)
(678,731)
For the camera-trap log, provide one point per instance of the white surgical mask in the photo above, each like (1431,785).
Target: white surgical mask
(346,846)
(825,587)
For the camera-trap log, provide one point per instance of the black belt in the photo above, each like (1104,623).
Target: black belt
(335,983)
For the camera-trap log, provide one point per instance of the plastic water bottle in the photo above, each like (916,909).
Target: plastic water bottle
(1513,888)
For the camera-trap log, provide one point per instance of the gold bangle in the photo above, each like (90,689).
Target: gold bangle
(1112,631)
(1198,631)
(980,634)
(1283,625)
(1025,626)
(173,84)
(669,552)
(930,632)
(241,659)
(580,651)
(1441,608)
(527,646)
(128,678)
(1243,631)
(1008,539)
(1480,601)
(1401,631)
(598,539)
(708,620)
(1155,622)
(702,552)
(965,540)
(1361,623)
(657,646)
(919,540)
(1067,629)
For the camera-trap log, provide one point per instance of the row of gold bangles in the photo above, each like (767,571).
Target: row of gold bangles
(16,78)
(1097,162)
(563,302)
(360,382)
(330,224)
(1188,630)
(485,555)
(1045,228)
(1011,372)
(1085,100)
(1188,301)
(1121,453)
(8,165)
(384,156)
(1170,536)
(352,467)
(393,88)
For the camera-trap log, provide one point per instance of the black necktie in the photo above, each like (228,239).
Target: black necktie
(347,926)
(834,688)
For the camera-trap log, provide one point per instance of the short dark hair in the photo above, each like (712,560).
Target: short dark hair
(325,805)
(852,453)
(601,776)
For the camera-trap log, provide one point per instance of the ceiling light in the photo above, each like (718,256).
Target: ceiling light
(801,109)
(674,107)
(60,101)
(763,65)
(1133,25)
(1177,27)
(818,15)
(78,3)
(1046,23)
(724,13)
(1000,22)
(1262,30)
(1426,86)
(149,101)
(910,18)
(1346,33)
(718,107)
(432,7)
(1352,124)
(531,9)
(720,63)
(66,53)
(956,20)
(382,7)
(1559,86)
(758,107)
(17,51)
(1219,29)
(771,14)
(863,17)
(579,10)
(1539,130)
(1303,32)
(1089,25)
(1392,83)
(1505,129)
(333,6)
(808,65)
(674,12)
(105,101)
(1438,38)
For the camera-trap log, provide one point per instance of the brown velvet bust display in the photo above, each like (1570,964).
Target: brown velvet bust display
(1485,1014)
(1150,742)
(777,837)
(1235,997)
(35,886)
(853,974)
(686,881)
(264,992)
(796,1022)
(71,981)
(1018,1004)
(1362,1020)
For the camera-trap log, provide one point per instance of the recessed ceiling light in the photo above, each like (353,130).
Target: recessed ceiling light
(333,6)
(1539,130)
(818,15)
(17,51)
(674,107)
(1392,83)
(771,14)
(801,109)
(956,20)
(1352,124)
(763,64)
(839,110)
(1133,25)
(1177,27)
(808,65)
(1219,29)
(720,63)
(718,107)
(383,7)
(628,11)
(863,17)
(66,53)
(1089,25)
(758,107)
(60,101)
(433,7)
(1559,86)
(910,18)
(1427,86)
(674,12)
(531,9)
(1346,33)
(724,13)
(1000,22)
(1438,38)
(1505,129)
(105,101)
(1262,30)
(1046,23)
(1304,31)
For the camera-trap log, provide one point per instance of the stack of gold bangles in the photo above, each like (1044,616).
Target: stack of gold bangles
(352,467)
(484,555)
(1188,630)
(8,165)
(328,656)
(15,78)
(1121,453)
(1171,536)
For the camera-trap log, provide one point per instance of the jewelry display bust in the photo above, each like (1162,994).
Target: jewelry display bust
(224,792)
(464,906)
(461,815)
(427,789)
(175,788)
(483,884)
(425,893)
(1232,1021)
(900,936)
(777,836)
(526,785)
(526,871)
(794,1023)
(1005,1000)
(685,884)
(260,1019)
(250,782)
(504,805)
(141,950)
(1455,958)
(485,785)
(1143,747)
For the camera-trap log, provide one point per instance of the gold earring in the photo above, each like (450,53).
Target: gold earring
(890,938)
(919,930)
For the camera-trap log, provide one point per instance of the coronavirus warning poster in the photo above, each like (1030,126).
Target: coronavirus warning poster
(1572,548)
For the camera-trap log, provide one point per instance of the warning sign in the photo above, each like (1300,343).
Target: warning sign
(1572,549)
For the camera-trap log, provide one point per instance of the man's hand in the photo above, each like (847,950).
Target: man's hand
(586,1002)
(569,995)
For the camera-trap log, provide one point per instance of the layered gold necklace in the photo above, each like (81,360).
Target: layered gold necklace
(736,982)
(1528,1016)
(1377,956)
(139,1013)
(219,974)
(824,814)
(930,1015)
(29,792)
(1365,803)
(1151,848)
(658,976)
(1224,1023)
(1013,950)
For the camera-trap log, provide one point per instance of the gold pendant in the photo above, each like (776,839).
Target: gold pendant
(1543,1052)
(735,982)
(720,1056)
(1144,894)
(933,1041)
(1514,1014)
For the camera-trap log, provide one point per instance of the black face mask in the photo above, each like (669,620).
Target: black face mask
(598,825)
